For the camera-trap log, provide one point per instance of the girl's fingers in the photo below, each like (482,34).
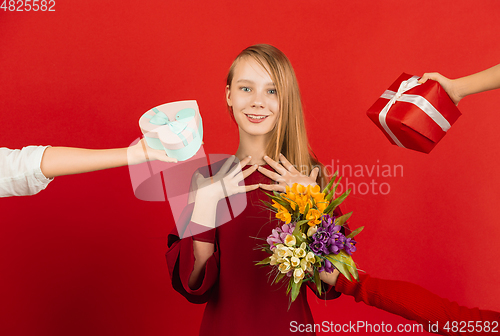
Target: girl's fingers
(276,166)
(272,175)
(226,165)
(273,187)
(245,173)
(314,173)
(239,166)
(288,166)
(250,187)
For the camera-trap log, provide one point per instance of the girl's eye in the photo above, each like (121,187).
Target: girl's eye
(272,91)
(245,89)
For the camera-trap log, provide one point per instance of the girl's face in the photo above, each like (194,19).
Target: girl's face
(253,98)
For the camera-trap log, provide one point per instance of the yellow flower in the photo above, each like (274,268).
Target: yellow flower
(298,275)
(314,217)
(290,240)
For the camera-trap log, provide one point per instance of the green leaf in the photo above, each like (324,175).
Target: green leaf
(355,232)
(327,188)
(317,281)
(342,219)
(295,289)
(332,192)
(298,235)
(302,222)
(337,202)
(345,264)
(264,262)
(306,209)
(279,277)
(289,287)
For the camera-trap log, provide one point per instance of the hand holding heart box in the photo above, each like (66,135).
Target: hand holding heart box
(174,127)
(413,115)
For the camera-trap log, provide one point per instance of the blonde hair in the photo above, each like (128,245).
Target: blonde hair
(289,135)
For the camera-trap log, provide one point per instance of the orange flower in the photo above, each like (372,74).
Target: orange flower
(318,196)
(314,217)
(282,213)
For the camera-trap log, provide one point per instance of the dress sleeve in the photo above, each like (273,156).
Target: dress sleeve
(20,173)
(413,303)
(180,258)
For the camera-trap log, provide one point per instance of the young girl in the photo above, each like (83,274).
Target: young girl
(217,265)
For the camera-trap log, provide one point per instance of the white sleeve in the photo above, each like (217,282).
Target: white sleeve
(20,172)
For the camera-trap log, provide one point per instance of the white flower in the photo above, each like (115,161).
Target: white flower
(300,252)
(274,259)
(290,240)
(298,275)
(312,230)
(284,267)
(305,265)
(289,252)
(295,261)
(281,250)
(283,260)
(311,258)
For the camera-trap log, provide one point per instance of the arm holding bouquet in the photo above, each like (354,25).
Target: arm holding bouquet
(412,302)
(457,89)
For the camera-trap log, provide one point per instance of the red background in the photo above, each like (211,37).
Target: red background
(85,257)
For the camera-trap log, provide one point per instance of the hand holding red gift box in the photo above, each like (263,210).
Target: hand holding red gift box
(413,115)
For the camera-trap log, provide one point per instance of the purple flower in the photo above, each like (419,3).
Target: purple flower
(279,234)
(321,235)
(333,248)
(327,220)
(327,266)
(317,247)
(350,246)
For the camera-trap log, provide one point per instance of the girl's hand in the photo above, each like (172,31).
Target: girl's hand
(225,182)
(286,175)
(449,85)
(209,191)
(329,278)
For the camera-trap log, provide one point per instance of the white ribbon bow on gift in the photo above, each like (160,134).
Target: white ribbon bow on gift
(419,101)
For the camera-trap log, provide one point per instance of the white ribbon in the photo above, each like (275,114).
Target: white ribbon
(419,101)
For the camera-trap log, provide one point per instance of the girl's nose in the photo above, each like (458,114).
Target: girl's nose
(258,100)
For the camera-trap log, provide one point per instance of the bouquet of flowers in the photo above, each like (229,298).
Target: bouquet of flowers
(309,240)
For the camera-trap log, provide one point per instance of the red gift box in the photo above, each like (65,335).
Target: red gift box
(412,115)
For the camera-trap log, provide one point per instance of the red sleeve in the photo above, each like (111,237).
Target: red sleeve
(180,258)
(414,303)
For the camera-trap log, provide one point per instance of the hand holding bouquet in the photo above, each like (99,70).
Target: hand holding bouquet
(310,238)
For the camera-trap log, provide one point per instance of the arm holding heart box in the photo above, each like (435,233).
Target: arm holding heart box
(175,128)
